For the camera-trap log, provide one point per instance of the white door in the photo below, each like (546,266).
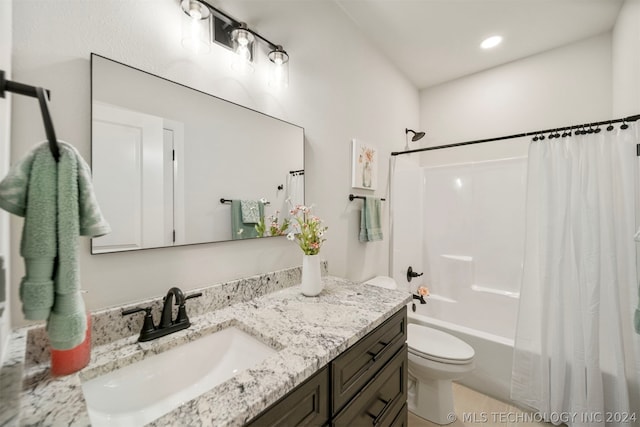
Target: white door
(129,156)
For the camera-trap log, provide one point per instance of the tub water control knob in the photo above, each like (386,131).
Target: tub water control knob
(411,274)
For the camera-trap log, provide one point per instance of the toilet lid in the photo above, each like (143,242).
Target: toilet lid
(437,345)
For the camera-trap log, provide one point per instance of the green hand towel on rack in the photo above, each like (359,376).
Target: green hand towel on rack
(250,211)
(58,204)
(240,229)
(370,228)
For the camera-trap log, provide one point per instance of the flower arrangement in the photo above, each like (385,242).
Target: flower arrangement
(274,227)
(308,230)
(366,155)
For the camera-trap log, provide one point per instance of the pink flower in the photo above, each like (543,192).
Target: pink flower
(424,291)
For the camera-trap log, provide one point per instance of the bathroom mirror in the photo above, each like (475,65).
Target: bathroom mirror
(164,155)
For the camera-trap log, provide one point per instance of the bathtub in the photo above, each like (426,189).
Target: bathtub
(487,323)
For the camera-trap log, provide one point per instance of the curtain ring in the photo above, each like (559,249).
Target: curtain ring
(610,127)
(581,131)
(624,124)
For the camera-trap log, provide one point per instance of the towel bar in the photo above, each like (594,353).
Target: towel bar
(223,200)
(351,197)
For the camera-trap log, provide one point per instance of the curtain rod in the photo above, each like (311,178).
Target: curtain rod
(519,135)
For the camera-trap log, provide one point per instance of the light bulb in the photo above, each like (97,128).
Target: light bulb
(279,72)
(195,13)
(196,28)
(490,42)
(243,46)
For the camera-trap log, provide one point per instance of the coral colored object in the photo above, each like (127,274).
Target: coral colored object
(65,362)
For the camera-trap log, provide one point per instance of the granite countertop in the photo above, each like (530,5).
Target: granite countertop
(307,332)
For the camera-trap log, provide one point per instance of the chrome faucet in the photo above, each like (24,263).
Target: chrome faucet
(167,324)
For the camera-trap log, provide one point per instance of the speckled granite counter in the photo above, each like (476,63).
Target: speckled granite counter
(307,332)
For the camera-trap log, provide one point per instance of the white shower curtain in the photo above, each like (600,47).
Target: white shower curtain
(295,191)
(575,346)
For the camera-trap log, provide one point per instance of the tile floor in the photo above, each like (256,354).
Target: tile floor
(477,409)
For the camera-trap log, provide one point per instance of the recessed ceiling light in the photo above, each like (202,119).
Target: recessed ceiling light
(490,42)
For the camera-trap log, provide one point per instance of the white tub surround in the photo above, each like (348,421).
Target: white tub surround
(306,332)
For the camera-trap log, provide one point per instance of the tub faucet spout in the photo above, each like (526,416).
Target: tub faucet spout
(420,298)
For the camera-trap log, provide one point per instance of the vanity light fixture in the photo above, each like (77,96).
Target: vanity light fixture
(279,72)
(218,27)
(243,42)
(196,26)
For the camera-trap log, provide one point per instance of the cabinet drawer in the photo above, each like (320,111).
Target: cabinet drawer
(402,420)
(380,402)
(353,369)
(306,405)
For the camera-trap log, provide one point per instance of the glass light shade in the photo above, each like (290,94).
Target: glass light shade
(196,26)
(279,71)
(243,42)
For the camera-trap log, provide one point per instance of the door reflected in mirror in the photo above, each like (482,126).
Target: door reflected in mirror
(164,156)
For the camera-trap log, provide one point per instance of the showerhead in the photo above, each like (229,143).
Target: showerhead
(416,135)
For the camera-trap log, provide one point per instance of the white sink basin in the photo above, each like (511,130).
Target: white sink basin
(143,391)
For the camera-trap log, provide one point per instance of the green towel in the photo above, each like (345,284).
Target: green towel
(250,211)
(58,204)
(240,229)
(370,229)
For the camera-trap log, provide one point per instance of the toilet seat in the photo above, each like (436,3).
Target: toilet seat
(438,346)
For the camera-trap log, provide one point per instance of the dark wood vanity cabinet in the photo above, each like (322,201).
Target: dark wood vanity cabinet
(306,405)
(364,386)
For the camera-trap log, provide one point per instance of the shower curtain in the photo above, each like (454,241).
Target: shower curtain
(575,346)
(295,190)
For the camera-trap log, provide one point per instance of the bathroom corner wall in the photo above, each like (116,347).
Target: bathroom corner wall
(340,88)
(626,60)
(6,17)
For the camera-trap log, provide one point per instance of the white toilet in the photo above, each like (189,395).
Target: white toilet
(435,359)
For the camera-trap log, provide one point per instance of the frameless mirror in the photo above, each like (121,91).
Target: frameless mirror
(168,161)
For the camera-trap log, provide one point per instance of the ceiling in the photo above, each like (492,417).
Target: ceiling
(433,41)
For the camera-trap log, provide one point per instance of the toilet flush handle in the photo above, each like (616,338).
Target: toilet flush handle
(411,274)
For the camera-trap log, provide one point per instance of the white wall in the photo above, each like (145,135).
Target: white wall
(340,88)
(5,122)
(626,101)
(626,60)
(565,86)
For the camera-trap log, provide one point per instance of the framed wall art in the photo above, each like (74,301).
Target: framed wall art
(364,167)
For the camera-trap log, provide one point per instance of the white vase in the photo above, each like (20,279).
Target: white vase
(311,279)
